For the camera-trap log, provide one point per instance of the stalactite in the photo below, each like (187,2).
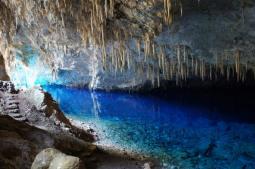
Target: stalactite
(158,78)
(168,16)
(210,73)
(196,68)
(192,64)
(237,64)
(228,74)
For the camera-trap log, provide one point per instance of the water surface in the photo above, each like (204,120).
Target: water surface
(178,134)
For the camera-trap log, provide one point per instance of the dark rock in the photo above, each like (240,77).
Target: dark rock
(20,143)
(3,74)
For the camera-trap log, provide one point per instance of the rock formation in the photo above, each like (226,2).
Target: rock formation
(21,142)
(124,44)
(37,108)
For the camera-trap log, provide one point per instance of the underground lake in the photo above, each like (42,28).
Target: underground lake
(189,131)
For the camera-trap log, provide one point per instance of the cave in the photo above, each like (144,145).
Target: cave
(134,84)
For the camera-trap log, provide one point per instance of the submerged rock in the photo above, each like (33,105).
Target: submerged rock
(209,150)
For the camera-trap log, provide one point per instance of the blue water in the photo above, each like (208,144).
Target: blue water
(179,135)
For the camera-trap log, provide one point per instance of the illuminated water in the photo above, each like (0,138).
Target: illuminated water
(182,135)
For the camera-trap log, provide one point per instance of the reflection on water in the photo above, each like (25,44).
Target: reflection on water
(96,105)
(177,134)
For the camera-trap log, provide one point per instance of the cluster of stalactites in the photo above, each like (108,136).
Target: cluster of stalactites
(95,20)
(159,63)
(91,17)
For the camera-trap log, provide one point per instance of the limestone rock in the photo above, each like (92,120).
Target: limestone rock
(52,158)
(44,158)
(65,162)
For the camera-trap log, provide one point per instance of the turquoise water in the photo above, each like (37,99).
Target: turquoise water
(180,135)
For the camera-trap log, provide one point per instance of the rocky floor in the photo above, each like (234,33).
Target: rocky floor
(31,121)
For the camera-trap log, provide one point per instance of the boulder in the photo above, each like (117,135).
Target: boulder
(65,162)
(44,158)
(52,158)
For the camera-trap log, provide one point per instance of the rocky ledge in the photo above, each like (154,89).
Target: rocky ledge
(31,122)
(37,108)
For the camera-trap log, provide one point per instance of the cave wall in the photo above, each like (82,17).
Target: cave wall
(49,48)
(3,74)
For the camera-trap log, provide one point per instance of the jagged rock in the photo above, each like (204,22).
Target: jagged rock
(43,111)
